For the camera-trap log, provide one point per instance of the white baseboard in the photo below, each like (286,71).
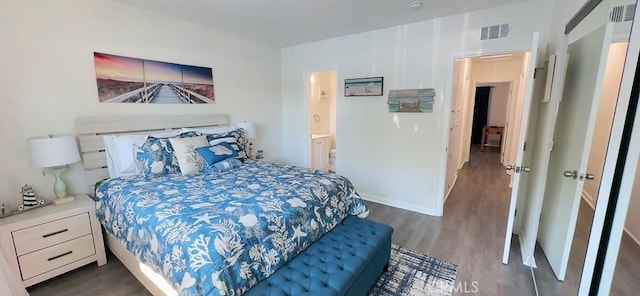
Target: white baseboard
(399,204)
(453,184)
(591,202)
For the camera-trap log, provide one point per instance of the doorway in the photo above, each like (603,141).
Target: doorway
(487,96)
(515,130)
(322,86)
(480,114)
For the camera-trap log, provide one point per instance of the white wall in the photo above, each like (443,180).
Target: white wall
(488,71)
(604,118)
(48,76)
(497,112)
(390,157)
(511,70)
(498,104)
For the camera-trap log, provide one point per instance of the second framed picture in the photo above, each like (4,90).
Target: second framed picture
(370,86)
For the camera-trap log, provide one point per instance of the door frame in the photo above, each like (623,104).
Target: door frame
(510,98)
(473,113)
(307,95)
(444,129)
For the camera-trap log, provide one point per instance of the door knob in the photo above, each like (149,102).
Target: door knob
(589,176)
(509,167)
(571,174)
(525,169)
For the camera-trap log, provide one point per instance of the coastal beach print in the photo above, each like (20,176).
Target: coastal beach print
(411,100)
(130,80)
(372,86)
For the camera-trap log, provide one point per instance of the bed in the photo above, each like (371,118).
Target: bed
(209,233)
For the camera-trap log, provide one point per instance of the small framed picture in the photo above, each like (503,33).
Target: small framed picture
(356,87)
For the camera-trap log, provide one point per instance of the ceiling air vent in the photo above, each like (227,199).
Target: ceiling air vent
(629,12)
(495,32)
(622,13)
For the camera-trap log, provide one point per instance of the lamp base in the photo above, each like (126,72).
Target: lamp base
(63,200)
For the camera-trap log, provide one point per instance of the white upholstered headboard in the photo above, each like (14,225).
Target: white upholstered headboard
(91,129)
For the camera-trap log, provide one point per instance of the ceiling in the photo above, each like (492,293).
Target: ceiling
(289,22)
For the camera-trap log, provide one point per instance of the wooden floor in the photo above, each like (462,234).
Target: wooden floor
(470,235)
(471,232)
(626,275)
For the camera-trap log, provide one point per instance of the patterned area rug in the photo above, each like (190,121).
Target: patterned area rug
(412,273)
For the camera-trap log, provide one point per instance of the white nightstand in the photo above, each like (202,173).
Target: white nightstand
(45,242)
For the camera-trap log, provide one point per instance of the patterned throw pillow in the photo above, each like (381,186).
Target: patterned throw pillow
(223,166)
(216,153)
(185,152)
(237,134)
(229,140)
(155,157)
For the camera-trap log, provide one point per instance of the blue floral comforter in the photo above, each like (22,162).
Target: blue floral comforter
(220,234)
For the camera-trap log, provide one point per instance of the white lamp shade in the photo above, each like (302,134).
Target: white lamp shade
(249,129)
(47,152)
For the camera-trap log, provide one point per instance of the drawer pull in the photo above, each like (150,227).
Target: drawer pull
(61,255)
(54,233)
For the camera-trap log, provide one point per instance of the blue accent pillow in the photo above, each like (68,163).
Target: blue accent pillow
(223,166)
(217,153)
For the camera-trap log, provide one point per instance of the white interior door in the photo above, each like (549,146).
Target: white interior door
(518,170)
(504,143)
(454,127)
(576,118)
(452,159)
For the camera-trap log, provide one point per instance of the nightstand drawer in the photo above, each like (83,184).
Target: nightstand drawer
(48,234)
(56,256)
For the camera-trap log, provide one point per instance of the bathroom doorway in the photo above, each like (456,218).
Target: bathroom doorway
(323,89)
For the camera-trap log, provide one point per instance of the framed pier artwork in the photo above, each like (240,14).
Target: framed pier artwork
(411,100)
(131,80)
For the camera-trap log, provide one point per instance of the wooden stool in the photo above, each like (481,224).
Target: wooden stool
(491,130)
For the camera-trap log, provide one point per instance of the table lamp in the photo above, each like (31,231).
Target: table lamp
(249,131)
(54,154)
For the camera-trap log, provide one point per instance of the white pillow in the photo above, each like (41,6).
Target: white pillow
(185,151)
(121,154)
(209,130)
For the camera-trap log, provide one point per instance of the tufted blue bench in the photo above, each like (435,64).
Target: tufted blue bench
(345,261)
